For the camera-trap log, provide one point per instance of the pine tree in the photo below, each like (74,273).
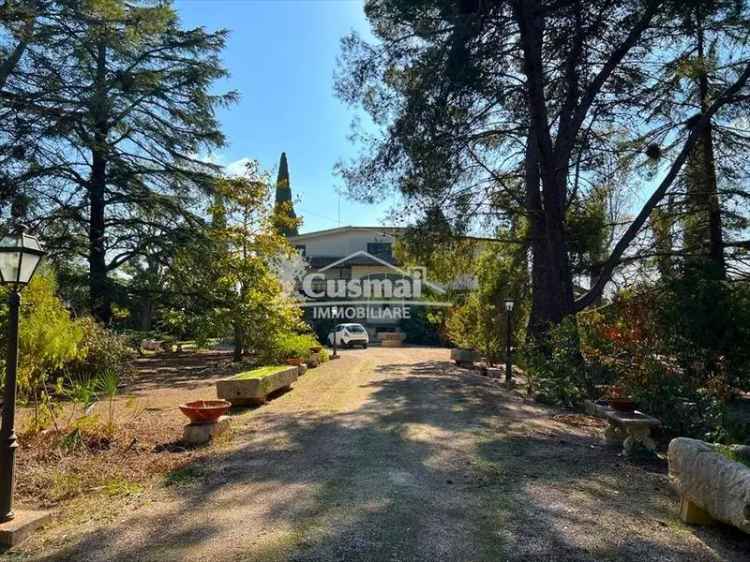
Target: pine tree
(459,127)
(285,217)
(116,172)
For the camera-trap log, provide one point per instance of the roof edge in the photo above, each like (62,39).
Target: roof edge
(317,233)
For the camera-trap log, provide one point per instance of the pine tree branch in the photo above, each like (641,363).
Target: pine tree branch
(596,290)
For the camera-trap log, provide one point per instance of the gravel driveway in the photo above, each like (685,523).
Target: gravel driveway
(394,454)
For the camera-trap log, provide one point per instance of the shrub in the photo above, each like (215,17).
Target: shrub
(683,408)
(423,327)
(479,321)
(288,346)
(556,371)
(678,348)
(650,346)
(48,337)
(705,324)
(104,353)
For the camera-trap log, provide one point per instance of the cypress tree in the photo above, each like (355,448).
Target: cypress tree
(286,219)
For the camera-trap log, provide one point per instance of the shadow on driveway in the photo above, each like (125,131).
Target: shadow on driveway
(436,464)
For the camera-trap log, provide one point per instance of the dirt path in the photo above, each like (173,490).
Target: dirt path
(394,454)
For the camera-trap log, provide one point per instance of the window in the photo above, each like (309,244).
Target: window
(380,250)
(301,249)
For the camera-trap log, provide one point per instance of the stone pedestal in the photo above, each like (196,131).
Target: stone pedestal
(692,514)
(314,360)
(464,357)
(200,433)
(19,528)
(614,435)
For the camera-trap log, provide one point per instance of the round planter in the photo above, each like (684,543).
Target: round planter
(316,349)
(205,411)
(296,361)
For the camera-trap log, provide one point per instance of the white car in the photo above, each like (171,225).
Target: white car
(349,335)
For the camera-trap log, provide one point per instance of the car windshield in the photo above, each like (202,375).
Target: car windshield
(355,328)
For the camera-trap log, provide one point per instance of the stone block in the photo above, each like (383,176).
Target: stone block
(21,526)
(244,392)
(464,356)
(200,433)
(710,482)
(391,342)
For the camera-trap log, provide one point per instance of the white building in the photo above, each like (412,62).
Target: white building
(355,252)
(366,253)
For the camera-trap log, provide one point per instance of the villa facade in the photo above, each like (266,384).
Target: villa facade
(354,253)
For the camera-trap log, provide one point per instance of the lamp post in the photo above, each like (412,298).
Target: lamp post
(508,341)
(335,312)
(20,255)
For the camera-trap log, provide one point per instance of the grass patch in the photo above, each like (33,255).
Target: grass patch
(260,372)
(122,487)
(184,476)
(64,485)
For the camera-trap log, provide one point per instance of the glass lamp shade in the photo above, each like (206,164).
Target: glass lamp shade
(509,305)
(20,254)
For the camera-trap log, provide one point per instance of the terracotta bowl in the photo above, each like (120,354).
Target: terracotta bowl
(316,349)
(621,404)
(294,361)
(205,411)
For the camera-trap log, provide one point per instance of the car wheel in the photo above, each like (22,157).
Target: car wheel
(364,346)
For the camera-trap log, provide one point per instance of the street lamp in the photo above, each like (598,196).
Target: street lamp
(335,312)
(508,335)
(20,255)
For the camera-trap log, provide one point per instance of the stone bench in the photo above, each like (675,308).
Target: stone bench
(711,485)
(629,429)
(152,345)
(253,387)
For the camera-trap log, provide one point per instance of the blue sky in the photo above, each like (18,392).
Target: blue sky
(281,56)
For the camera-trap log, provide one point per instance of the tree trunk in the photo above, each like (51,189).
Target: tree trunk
(715,232)
(706,238)
(594,273)
(551,268)
(101,304)
(147,313)
(238,343)
(539,316)
(99,293)
(557,268)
